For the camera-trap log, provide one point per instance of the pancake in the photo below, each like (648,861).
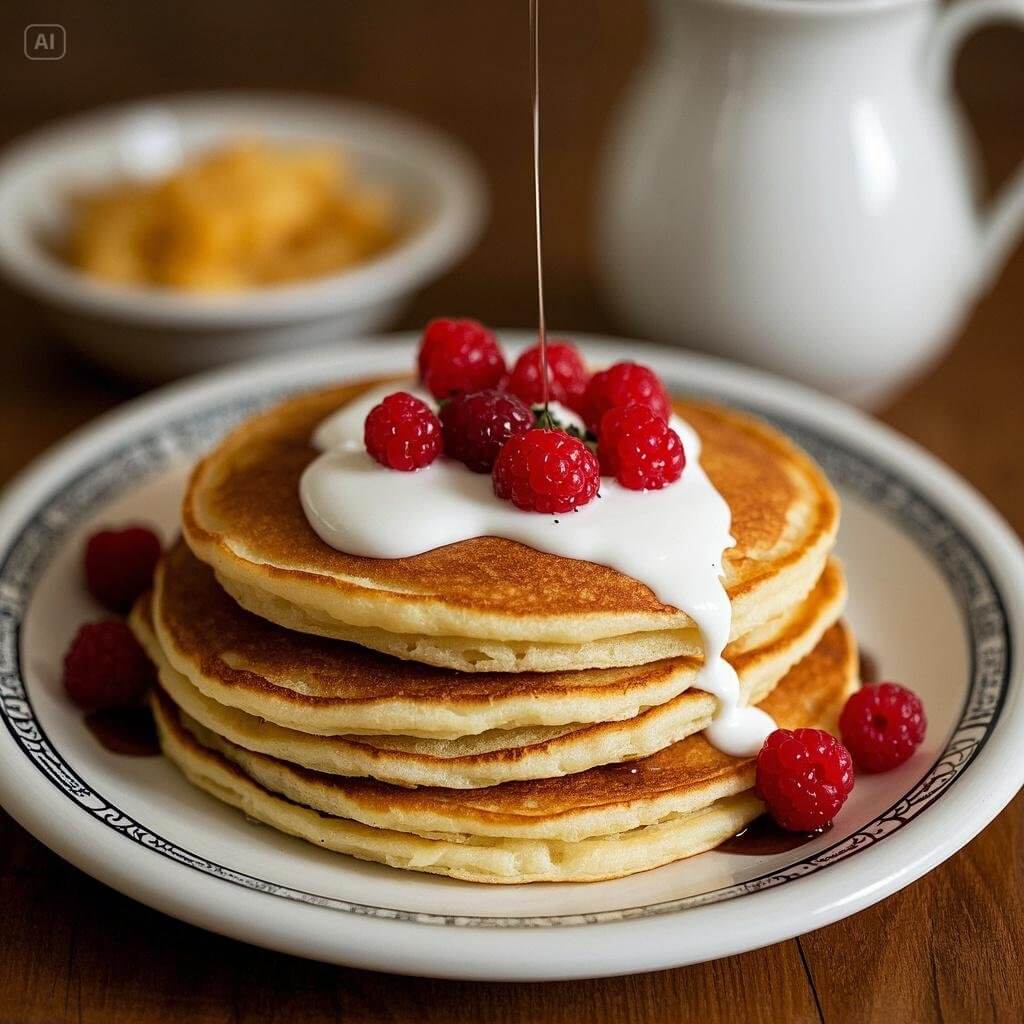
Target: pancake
(490,604)
(605,823)
(485,759)
(328,688)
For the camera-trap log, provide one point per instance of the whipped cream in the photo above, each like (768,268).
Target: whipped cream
(672,540)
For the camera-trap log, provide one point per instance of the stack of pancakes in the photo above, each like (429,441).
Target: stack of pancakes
(483,710)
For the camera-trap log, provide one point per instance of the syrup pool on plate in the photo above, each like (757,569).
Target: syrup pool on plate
(764,837)
(130,731)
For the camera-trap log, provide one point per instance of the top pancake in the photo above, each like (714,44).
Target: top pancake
(528,610)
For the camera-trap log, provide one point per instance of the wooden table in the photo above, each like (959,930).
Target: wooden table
(947,948)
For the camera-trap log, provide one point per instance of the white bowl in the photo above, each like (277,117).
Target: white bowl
(153,334)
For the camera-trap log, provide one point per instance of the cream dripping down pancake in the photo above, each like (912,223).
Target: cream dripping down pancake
(290,696)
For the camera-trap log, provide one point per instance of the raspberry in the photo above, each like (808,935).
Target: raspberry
(567,375)
(119,566)
(434,332)
(105,667)
(882,725)
(546,471)
(623,384)
(639,448)
(402,432)
(476,426)
(459,355)
(804,776)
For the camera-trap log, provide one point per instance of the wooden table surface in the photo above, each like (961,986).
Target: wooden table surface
(949,947)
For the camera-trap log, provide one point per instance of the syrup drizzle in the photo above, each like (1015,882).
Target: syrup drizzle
(542,332)
(762,838)
(869,668)
(129,731)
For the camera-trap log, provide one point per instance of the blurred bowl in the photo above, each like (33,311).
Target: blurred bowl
(154,334)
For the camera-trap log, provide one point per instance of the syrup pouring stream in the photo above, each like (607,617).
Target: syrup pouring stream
(542,332)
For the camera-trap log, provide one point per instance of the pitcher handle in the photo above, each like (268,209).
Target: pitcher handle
(1003,220)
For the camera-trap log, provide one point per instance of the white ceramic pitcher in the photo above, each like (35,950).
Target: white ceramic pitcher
(788,184)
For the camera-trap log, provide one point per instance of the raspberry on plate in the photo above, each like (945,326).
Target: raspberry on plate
(546,471)
(639,448)
(804,776)
(623,384)
(459,355)
(567,375)
(475,426)
(119,566)
(883,725)
(402,432)
(105,667)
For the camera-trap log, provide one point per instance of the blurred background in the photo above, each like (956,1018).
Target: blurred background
(462,67)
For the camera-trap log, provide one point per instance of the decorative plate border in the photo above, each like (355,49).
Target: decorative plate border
(954,554)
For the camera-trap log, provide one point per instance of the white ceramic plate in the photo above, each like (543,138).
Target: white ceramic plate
(937,583)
